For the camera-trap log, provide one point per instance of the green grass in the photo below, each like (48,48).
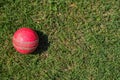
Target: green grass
(84,37)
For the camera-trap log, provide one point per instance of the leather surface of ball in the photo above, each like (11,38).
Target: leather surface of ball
(25,40)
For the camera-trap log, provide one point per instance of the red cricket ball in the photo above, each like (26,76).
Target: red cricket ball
(25,40)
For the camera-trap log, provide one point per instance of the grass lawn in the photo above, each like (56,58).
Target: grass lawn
(79,39)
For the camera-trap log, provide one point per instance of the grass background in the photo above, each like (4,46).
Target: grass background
(84,38)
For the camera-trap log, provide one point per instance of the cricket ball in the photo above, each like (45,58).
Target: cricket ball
(25,40)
